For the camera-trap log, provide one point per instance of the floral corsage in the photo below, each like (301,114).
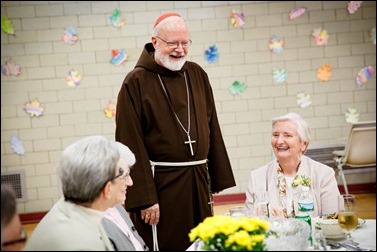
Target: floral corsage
(302,180)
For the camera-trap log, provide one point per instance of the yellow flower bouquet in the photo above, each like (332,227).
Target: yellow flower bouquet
(226,233)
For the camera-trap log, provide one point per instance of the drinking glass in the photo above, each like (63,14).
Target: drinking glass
(319,240)
(262,204)
(347,215)
(237,212)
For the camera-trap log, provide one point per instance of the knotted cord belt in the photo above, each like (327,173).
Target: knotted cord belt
(189,163)
(153,164)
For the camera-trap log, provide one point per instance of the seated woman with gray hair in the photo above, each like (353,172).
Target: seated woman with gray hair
(283,177)
(92,177)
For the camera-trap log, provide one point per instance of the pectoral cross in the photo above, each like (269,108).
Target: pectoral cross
(190,142)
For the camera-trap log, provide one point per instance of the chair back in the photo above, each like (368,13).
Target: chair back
(361,124)
(361,147)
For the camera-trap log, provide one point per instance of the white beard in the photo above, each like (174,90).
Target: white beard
(173,65)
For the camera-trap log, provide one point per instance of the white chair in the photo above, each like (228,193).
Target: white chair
(360,150)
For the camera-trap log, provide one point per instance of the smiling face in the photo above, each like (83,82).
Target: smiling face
(172,30)
(122,181)
(286,142)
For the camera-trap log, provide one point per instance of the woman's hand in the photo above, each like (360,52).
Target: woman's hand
(276,211)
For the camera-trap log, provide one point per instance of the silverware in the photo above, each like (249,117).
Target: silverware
(350,247)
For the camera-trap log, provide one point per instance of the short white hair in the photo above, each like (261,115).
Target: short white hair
(126,154)
(302,126)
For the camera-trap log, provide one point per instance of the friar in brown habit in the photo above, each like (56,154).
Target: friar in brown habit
(166,114)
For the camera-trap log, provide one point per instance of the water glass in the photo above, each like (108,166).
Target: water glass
(262,204)
(238,212)
(319,240)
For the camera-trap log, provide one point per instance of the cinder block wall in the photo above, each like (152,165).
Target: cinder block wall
(72,113)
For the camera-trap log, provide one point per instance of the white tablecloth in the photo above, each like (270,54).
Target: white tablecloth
(366,235)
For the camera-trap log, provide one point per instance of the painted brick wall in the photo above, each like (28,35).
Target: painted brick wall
(72,113)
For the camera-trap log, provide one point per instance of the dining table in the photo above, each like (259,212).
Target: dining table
(365,236)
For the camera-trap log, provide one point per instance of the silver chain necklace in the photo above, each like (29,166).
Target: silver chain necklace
(189,141)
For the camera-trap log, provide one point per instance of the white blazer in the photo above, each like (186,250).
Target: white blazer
(324,187)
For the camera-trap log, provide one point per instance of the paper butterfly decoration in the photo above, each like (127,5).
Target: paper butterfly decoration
(116,20)
(17,145)
(212,54)
(118,57)
(364,75)
(353,6)
(303,100)
(276,44)
(34,108)
(279,75)
(372,35)
(320,37)
(73,78)
(324,72)
(70,36)
(352,116)
(110,110)
(237,18)
(10,68)
(297,12)
(6,25)
(237,87)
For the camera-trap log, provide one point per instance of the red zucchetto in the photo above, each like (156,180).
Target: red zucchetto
(164,16)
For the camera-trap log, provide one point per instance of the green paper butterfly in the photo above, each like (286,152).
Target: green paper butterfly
(6,25)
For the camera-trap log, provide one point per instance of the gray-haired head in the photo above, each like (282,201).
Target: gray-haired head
(302,126)
(86,166)
(126,154)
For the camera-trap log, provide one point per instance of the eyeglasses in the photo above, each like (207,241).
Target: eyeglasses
(22,239)
(174,44)
(121,174)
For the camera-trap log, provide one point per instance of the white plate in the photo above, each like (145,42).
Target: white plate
(318,220)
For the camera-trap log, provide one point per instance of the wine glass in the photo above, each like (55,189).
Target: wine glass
(347,215)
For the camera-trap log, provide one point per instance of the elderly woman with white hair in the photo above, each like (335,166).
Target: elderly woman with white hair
(282,178)
(117,223)
(92,175)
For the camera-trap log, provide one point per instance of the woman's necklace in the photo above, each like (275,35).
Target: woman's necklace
(189,141)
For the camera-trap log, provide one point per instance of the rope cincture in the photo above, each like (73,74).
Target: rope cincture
(153,164)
